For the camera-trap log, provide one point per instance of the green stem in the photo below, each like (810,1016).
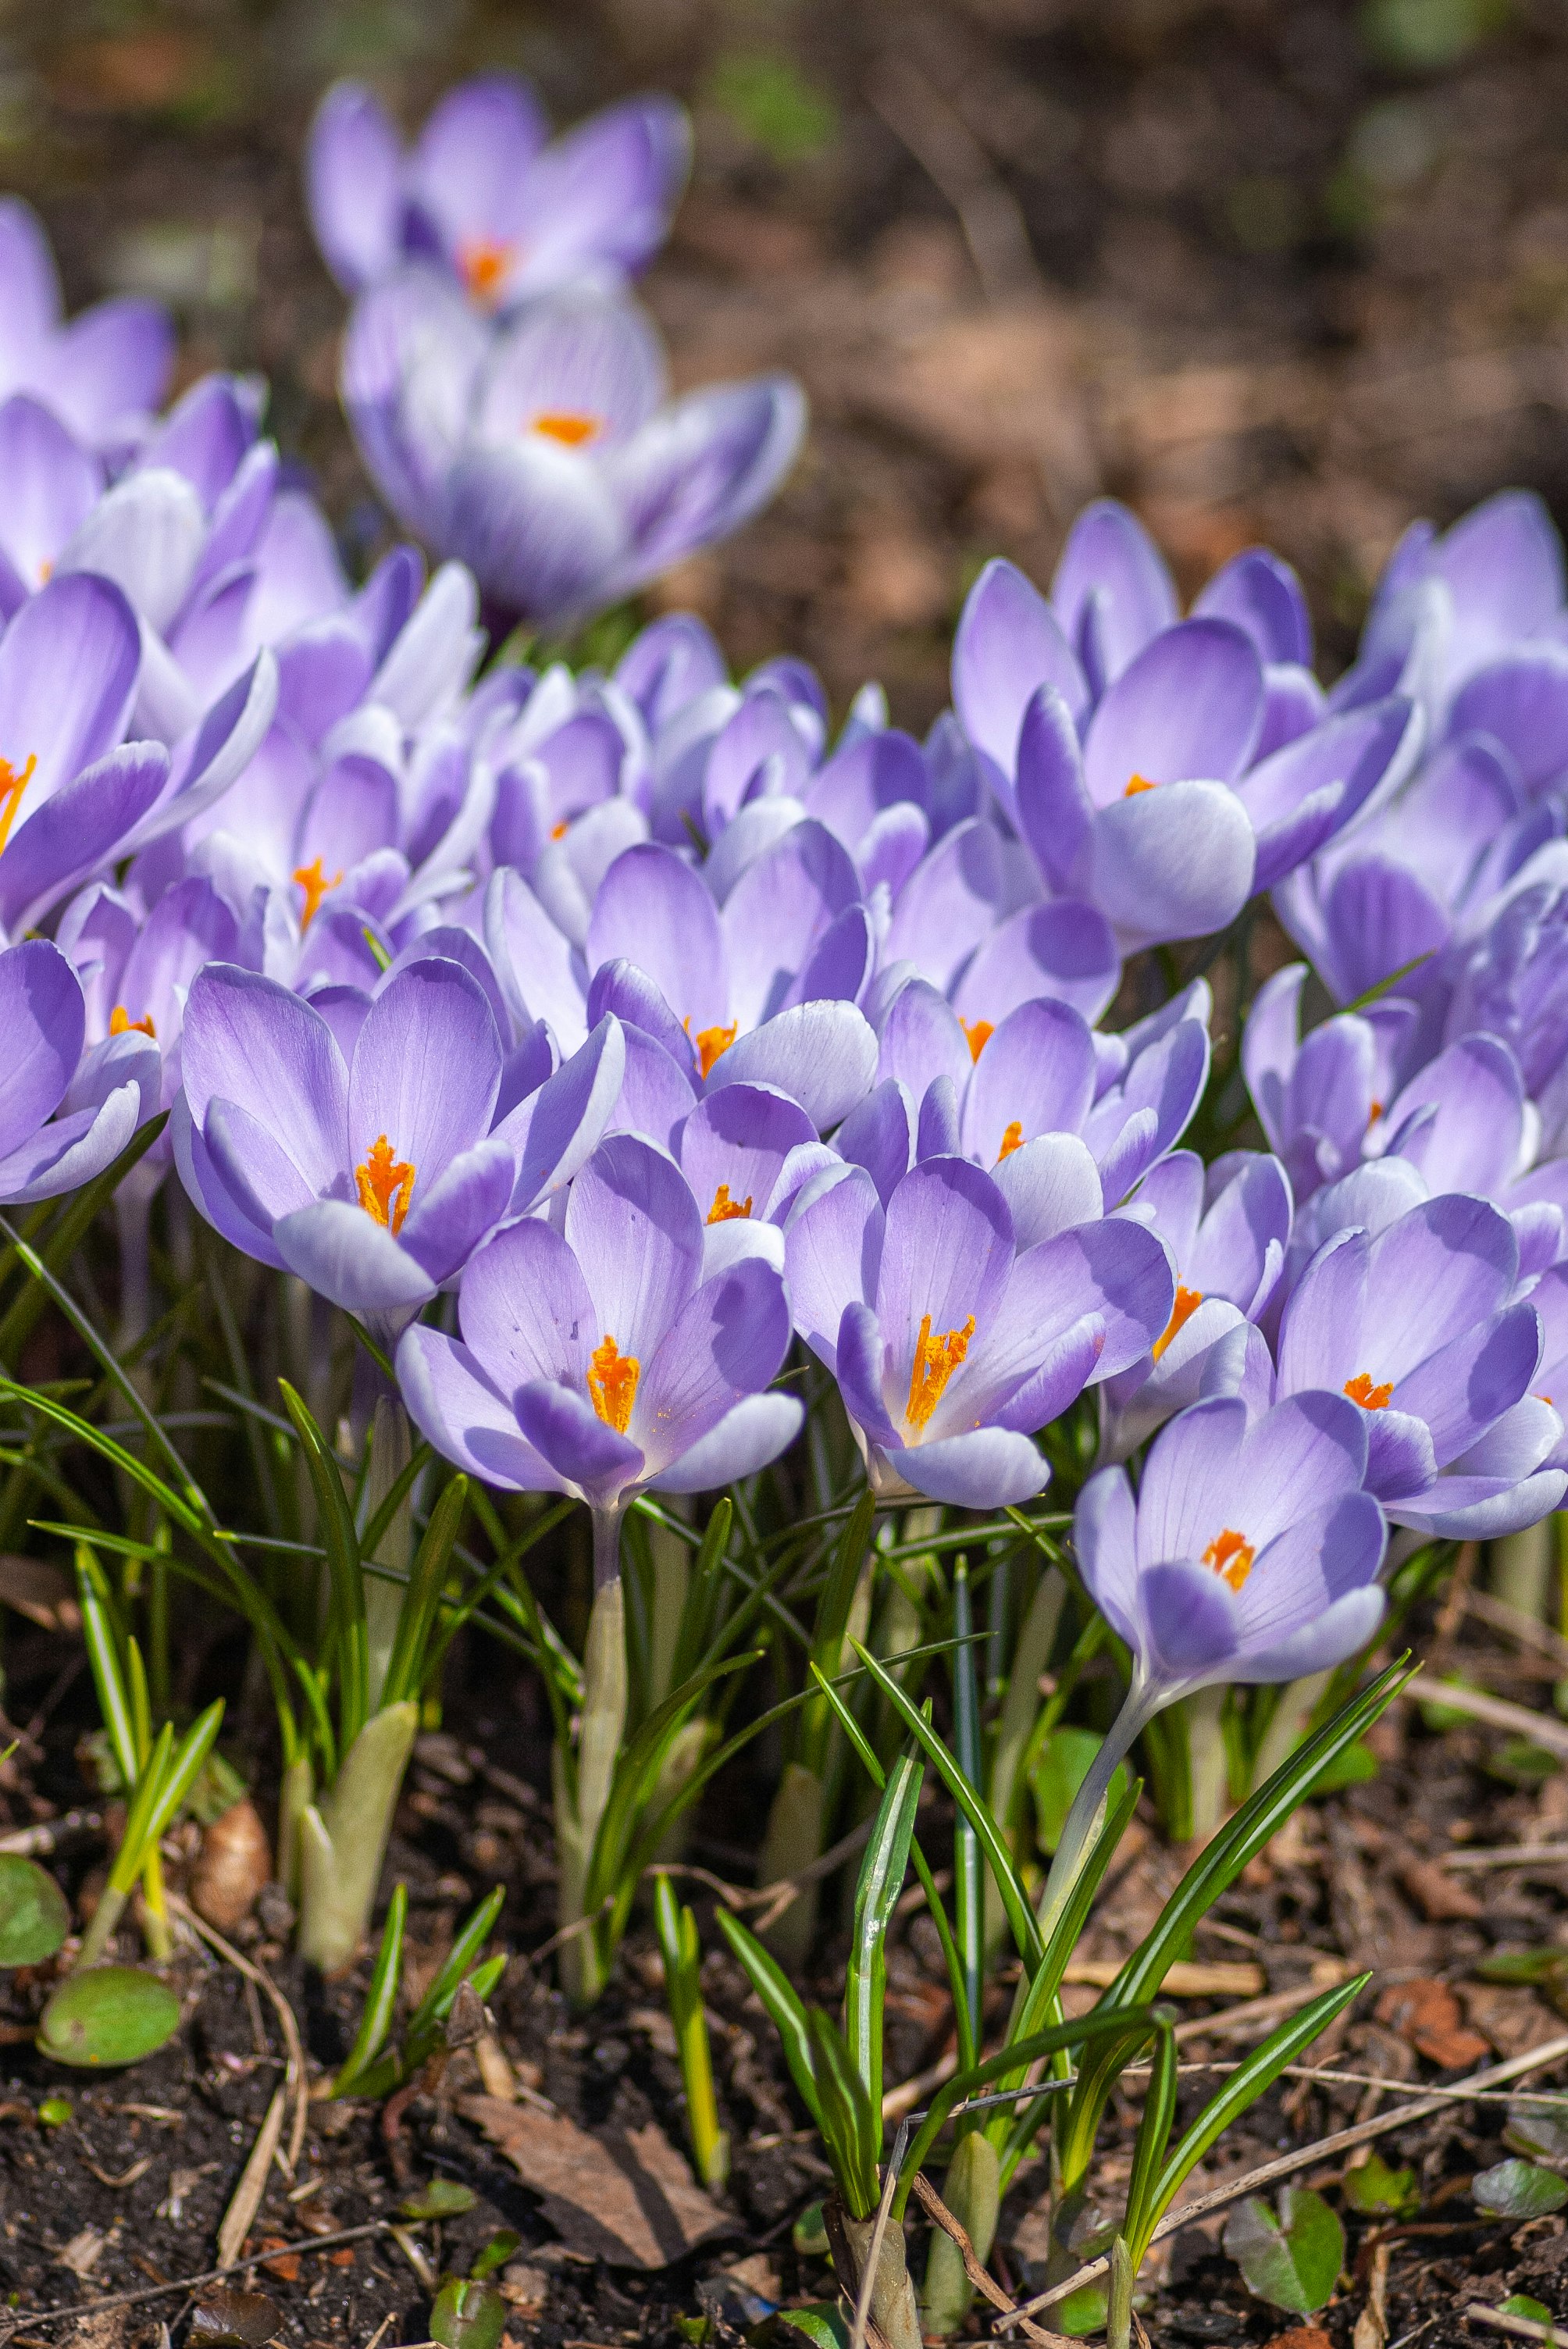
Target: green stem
(581,1797)
(343,1841)
(391,1446)
(100,1930)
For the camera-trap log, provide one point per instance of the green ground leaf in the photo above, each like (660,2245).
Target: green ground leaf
(466,2315)
(1537,2127)
(1289,2256)
(1378,2191)
(110,2014)
(821,2320)
(444,2197)
(1518,2189)
(34,1917)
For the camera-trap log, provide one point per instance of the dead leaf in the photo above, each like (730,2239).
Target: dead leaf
(1301,2336)
(83,2252)
(246,2199)
(1437,1895)
(225,2319)
(1426,2015)
(1512,2016)
(1187,1978)
(1372,2325)
(623,2196)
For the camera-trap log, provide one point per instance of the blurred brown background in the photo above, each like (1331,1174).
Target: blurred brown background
(1291,269)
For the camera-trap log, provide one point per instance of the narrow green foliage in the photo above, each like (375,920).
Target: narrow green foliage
(380,1999)
(682,1953)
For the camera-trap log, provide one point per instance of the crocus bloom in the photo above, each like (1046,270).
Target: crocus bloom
(42,1023)
(484,192)
(542,453)
(1251,1552)
(951,1346)
(760,991)
(598,1360)
(373,1176)
(1318,1096)
(1420,1328)
(103,372)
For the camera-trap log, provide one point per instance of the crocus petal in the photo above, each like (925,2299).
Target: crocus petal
(1173,863)
(1008,643)
(833,1253)
(42,1023)
(69,665)
(555,1130)
(580,1446)
(989,1468)
(1187,708)
(823,1055)
(346,1256)
(653,910)
(750,1435)
(455,1408)
(426,1070)
(352,169)
(636,1231)
(1111,586)
(71,1150)
(254,1043)
(728,1341)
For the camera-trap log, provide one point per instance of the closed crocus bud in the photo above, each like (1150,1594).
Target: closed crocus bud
(235,1861)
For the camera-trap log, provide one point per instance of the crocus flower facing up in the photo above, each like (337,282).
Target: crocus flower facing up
(1250,1553)
(598,1360)
(373,1173)
(1422,1327)
(484,192)
(950,1346)
(42,1023)
(542,452)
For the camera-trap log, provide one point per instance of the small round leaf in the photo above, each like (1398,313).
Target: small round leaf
(110,2014)
(1538,2127)
(54,2112)
(444,2197)
(34,1916)
(1292,2259)
(1519,2190)
(1378,2191)
(466,2315)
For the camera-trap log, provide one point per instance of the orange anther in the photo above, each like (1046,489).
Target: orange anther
(612,1384)
(483,264)
(1231,1554)
(568,427)
(386,1184)
(1361,1390)
(713,1041)
(120,1022)
(559,830)
(316,884)
(726,1210)
(1138,784)
(1187,1303)
(979,1033)
(12,786)
(935,1360)
(1012,1139)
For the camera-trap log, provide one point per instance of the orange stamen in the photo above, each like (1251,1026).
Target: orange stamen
(1361,1390)
(979,1032)
(726,1210)
(46,571)
(483,264)
(120,1022)
(316,884)
(612,1384)
(1231,1554)
(1187,1303)
(1012,1139)
(385,1183)
(569,428)
(1138,784)
(935,1360)
(713,1041)
(12,786)
(559,830)
(1374,1113)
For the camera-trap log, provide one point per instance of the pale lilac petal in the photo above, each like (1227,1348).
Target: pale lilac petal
(1111,585)
(583,1449)
(1008,643)
(1173,863)
(822,1055)
(654,911)
(251,1041)
(636,1231)
(750,1435)
(426,1070)
(1187,708)
(989,1468)
(346,1256)
(834,1244)
(455,1408)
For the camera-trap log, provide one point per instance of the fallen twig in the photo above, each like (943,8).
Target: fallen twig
(1542,1728)
(29,2318)
(246,2199)
(1322,2149)
(1504,2321)
(294,2078)
(32,1842)
(1262,2013)
(959,167)
(1516,1625)
(974,2268)
(1516,1855)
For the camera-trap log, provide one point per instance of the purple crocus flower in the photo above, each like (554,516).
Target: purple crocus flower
(483,193)
(1066,1122)
(375,1174)
(1318,1096)
(951,1346)
(1227,1227)
(1420,1326)
(1251,1552)
(543,453)
(759,990)
(42,1025)
(598,1360)
(104,372)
